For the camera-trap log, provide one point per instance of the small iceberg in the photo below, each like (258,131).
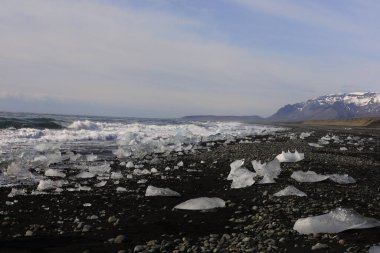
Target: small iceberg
(374,249)
(54,173)
(202,203)
(85,175)
(240,176)
(50,184)
(155,191)
(100,169)
(338,220)
(342,179)
(269,171)
(316,145)
(289,157)
(305,135)
(267,180)
(16,192)
(308,176)
(290,191)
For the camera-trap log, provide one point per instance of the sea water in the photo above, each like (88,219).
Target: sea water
(40,140)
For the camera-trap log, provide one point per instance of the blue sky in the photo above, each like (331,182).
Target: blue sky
(170,58)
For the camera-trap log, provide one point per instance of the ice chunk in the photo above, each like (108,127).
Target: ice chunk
(85,174)
(305,135)
(41,159)
(142,181)
(73,157)
(83,188)
(140,172)
(202,203)
(338,220)
(153,170)
(54,173)
(50,184)
(290,191)
(235,166)
(101,184)
(316,145)
(267,180)
(289,157)
(342,179)
(121,153)
(240,176)
(100,169)
(155,191)
(343,149)
(180,164)
(308,176)
(17,170)
(116,175)
(47,147)
(129,165)
(91,157)
(15,192)
(374,249)
(121,189)
(271,169)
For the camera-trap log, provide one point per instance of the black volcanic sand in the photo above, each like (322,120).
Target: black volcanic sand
(252,221)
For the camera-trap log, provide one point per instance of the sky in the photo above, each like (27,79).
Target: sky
(170,58)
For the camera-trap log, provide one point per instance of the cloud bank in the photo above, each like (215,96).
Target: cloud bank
(154,62)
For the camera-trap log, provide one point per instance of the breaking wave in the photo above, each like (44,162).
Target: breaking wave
(38,123)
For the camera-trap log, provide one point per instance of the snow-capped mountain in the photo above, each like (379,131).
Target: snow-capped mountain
(335,106)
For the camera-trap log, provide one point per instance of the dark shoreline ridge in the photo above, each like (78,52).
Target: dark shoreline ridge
(252,221)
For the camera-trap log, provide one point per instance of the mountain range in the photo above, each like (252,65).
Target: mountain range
(334,106)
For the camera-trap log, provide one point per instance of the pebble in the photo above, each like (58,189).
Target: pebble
(29,233)
(119,239)
(319,246)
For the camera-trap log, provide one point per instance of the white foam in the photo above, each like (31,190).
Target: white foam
(85,125)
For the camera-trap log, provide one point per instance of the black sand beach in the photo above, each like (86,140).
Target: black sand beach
(252,221)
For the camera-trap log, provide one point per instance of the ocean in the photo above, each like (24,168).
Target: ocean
(42,141)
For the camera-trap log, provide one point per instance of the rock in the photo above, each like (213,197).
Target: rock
(29,233)
(342,242)
(138,248)
(112,219)
(319,246)
(119,239)
(246,239)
